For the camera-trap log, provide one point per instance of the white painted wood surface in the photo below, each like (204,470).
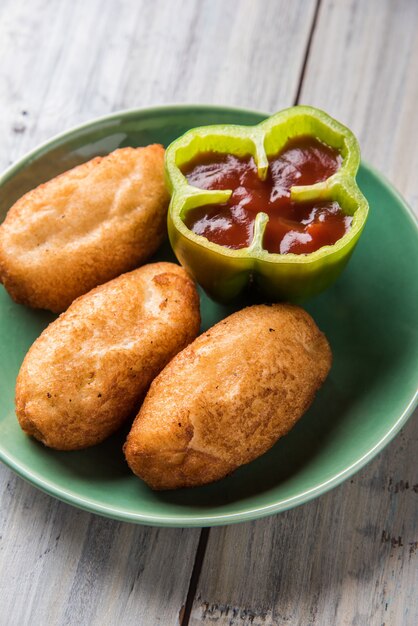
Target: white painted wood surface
(62,63)
(349,557)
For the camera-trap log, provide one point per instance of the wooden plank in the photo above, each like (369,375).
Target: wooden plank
(349,557)
(64,63)
(363,70)
(60,565)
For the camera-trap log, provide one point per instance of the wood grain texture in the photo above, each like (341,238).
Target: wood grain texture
(363,69)
(350,557)
(62,64)
(60,565)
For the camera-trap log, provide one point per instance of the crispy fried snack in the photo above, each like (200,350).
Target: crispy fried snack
(226,398)
(84,227)
(90,369)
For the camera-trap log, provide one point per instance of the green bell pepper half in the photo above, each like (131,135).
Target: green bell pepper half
(226,273)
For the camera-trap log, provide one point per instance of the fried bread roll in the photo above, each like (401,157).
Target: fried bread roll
(226,398)
(90,369)
(84,227)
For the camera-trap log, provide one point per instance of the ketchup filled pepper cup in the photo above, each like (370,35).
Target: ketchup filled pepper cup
(274,207)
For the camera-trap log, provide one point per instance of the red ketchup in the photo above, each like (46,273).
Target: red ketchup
(299,228)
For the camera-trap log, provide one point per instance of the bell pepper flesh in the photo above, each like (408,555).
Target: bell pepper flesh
(225,273)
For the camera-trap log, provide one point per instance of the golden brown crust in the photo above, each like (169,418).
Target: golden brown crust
(90,369)
(84,227)
(226,398)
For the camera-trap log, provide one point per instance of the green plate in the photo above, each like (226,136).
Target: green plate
(369,316)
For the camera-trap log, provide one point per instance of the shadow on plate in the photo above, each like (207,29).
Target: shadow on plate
(99,464)
(365,357)
(370,354)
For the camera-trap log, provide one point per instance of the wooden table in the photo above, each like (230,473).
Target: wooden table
(349,557)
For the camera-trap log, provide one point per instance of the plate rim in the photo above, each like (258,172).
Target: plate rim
(117,513)
(163,108)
